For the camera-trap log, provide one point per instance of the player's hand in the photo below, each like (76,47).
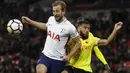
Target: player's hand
(118,26)
(26,20)
(106,71)
(107,67)
(66,58)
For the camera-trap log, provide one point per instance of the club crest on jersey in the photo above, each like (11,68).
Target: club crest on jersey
(84,45)
(62,30)
(53,36)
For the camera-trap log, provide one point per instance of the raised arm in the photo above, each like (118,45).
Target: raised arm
(112,35)
(39,25)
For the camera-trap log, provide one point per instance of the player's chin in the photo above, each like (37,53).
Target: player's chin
(57,19)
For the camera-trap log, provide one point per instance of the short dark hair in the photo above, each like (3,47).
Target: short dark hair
(80,19)
(82,22)
(60,2)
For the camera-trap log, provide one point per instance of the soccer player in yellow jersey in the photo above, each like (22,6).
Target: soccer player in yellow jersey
(80,62)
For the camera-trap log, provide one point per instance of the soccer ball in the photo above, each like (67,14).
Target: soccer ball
(14,26)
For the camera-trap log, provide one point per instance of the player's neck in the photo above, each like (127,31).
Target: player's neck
(63,19)
(83,36)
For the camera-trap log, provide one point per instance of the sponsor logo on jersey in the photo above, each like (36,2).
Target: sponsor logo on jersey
(54,36)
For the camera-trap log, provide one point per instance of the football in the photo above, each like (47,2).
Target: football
(14,26)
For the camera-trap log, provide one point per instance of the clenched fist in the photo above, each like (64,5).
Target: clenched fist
(118,26)
(26,20)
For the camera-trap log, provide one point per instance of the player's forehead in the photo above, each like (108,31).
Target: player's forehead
(85,25)
(57,7)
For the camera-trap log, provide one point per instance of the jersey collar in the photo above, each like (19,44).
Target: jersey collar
(64,19)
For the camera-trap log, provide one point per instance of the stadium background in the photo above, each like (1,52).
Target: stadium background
(18,54)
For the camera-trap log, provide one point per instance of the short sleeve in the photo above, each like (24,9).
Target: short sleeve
(48,22)
(95,40)
(73,32)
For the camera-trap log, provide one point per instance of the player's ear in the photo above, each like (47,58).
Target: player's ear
(78,29)
(63,12)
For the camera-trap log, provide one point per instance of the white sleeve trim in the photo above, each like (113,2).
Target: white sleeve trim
(75,35)
(97,42)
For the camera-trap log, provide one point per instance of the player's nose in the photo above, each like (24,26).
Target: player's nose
(87,31)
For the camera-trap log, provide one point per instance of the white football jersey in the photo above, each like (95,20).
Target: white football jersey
(57,37)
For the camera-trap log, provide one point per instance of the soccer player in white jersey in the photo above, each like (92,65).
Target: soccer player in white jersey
(58,31)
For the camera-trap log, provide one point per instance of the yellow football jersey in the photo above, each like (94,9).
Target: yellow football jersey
(84,59)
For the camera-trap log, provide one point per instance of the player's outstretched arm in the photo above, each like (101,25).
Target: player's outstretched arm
(112,35)
(34,23)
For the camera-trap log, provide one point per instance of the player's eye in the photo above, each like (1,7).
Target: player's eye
(88,28)
(57,10)
(54,10)
(85,27)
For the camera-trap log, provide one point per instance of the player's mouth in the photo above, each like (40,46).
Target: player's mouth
(57,17)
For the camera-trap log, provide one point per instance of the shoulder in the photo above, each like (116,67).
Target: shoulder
(51,18)
(71,30)
(69,24)
(92,38)
(90,35)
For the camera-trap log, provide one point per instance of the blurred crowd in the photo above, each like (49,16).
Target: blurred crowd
(19,53)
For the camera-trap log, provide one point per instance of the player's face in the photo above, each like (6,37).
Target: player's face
(58,13)
(84,30)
